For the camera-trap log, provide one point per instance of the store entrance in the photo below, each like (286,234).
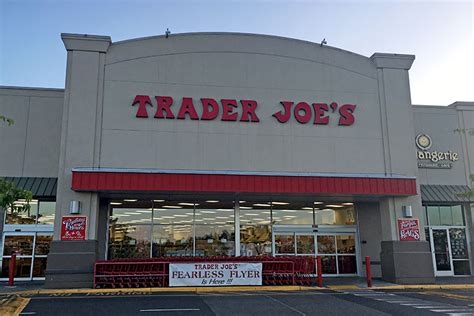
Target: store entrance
(337,246)
(449,250)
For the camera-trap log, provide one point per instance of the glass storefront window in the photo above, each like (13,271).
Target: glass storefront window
(46,212)
(326,244)
(461,267)
(433,215)
(172,240)
(285,244)
(445,215)
(131,216)
(215,240)
(22,267)
(458,218)
(305,244)
(166,213)
(347,264)
(167,227)
(41,212)
(255,229)
(129,241)
(446,218)
(345,244)
(335,216)
(23,218)
(458,242)
(328,264)
(22,245)
(39,267)
(42,244)
(255,240)
(292,213)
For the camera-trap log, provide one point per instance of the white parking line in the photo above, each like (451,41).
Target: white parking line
(449,310)
(170,310)
(432,306)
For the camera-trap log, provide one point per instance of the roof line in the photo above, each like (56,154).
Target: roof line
(239,34)
(239,172)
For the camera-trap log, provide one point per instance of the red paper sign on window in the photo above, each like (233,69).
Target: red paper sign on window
(73,227)
(409,229)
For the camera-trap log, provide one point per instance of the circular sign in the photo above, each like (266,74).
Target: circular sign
(423,141)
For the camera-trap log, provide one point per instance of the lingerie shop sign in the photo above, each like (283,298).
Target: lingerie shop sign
(244,110)
(215,274)
(73,227)
(409,229)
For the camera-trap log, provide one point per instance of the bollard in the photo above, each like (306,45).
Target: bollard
(11,270)
(320,271)
(368,271)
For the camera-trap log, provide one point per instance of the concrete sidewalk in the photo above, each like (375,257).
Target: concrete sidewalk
(37,287)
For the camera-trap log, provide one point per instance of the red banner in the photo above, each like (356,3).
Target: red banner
(409,229)
(73,227)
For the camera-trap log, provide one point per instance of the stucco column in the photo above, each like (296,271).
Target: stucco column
(399,155)
(80,144)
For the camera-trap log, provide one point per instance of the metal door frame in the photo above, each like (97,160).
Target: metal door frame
(433,256)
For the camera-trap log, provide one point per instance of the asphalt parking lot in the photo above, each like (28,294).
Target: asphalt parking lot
(309,302)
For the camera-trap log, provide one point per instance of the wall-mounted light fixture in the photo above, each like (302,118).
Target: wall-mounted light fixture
(74,207)
(407,211)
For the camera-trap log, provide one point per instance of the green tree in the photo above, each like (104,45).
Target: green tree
(470,193)
(7,120)
(12,199)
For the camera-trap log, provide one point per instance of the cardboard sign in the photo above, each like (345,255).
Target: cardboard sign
(215,274)
(409,229)
(73,227)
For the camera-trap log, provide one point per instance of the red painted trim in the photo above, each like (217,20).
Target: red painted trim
(123,181)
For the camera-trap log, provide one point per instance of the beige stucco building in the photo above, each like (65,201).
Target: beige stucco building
(228,144)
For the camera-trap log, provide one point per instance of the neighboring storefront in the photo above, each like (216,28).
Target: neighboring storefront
(221,144)
(29,234)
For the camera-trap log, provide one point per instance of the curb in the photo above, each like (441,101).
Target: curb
(425,287)
(167,289)
(240,289)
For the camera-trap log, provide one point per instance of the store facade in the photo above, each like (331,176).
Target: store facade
(216,144)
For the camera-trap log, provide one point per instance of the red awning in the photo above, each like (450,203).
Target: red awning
(117,180)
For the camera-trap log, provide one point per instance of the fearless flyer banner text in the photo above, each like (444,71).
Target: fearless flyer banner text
(215,274)
(409,229)
(73,227)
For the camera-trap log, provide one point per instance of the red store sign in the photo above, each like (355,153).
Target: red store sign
(243,110)
(73,227)
(409,229)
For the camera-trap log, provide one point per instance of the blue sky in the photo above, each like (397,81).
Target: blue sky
(439,33)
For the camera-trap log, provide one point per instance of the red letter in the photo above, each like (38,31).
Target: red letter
(209,114)
(142,101)
(227,108)
(319,110)
(249,107)
(302,106)
(284,117)
(187,106)
(346,112)
(164,104)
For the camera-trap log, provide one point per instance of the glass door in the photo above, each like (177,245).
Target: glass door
(31,254)
(441,252)
(337,250)
(23,245)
